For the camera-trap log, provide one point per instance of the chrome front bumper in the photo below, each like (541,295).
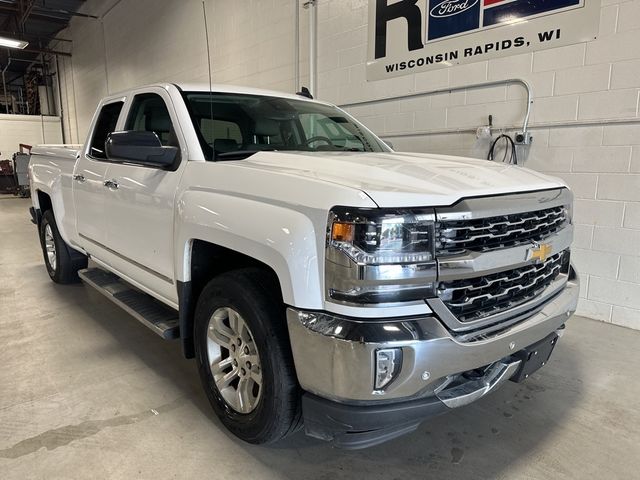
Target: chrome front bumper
(334,357)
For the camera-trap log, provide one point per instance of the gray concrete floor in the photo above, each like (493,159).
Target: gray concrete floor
(87,392)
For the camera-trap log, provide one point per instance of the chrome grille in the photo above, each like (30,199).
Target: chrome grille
(484,234)
(477,298)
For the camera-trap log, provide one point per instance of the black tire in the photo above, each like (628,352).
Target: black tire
(252,293)
(67,260)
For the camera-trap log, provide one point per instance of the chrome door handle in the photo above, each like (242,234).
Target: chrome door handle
(111,184)
(79,178)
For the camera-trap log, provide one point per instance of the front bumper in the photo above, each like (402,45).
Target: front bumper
(335,366)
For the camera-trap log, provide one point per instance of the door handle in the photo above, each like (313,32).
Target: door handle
(79,178)
(111,184)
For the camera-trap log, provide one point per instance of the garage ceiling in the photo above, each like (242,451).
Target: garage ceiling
(36,21)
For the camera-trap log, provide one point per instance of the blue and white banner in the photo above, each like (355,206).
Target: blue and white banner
(408,36)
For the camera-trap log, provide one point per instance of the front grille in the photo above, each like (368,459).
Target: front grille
(484,234)
(480,297)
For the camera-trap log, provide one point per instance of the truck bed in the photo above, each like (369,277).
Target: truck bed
(60,150)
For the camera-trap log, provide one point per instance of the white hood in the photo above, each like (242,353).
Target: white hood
(406,179)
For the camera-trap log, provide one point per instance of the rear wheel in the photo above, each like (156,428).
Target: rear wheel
(243,356)
(61,261)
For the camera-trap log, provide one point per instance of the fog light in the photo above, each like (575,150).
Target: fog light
(388,364)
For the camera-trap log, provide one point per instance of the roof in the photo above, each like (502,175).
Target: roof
(218,88)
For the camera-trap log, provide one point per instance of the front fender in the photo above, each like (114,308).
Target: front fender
(282,238)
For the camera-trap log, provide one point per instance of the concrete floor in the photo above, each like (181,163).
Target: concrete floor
(87,392)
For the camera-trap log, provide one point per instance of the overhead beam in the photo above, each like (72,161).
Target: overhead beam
(46,51)
(4,8)
(42,39)
(26,6)
(43,11)
(61,11)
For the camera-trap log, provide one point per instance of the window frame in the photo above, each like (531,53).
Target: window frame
(127,99)
(130,111)
(90,140)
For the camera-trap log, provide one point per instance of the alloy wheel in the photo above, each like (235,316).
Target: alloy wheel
(50,246)
(234,360)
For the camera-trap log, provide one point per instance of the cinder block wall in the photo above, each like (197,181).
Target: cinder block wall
(579,91)
(27,129)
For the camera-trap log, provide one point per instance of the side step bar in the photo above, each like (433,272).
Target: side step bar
(146,309)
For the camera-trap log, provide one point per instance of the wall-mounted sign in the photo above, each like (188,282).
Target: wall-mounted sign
(409,36)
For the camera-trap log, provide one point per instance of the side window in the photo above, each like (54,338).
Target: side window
(106,124)
(149,113)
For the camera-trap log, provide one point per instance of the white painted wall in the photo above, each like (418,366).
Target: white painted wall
(146,41)
(579,90)
(28,129)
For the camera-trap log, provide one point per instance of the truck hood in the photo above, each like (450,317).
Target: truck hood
(405,179)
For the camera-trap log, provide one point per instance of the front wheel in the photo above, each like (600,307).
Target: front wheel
(61,261)
(243,356)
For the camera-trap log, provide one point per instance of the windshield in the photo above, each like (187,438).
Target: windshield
(235,126)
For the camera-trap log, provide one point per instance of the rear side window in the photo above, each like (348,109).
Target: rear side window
(149,113)
(105,125)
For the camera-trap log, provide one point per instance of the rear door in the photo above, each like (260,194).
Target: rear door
(140,210)
(88,181)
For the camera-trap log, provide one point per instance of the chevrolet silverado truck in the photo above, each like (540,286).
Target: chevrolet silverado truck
(320,279)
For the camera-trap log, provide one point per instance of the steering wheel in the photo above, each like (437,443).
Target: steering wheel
(319,138)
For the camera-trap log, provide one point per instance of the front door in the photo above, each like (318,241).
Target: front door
(140,201)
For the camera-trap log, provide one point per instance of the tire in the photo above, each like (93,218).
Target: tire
(63,263)
(276,412)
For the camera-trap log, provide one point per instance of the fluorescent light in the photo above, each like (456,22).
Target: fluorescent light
(12,43)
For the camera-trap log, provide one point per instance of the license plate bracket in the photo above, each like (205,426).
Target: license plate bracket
(534,357)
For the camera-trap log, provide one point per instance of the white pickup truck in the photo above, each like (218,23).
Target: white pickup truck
(318,277)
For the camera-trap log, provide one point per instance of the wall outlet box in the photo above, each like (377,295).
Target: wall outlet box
(523,138)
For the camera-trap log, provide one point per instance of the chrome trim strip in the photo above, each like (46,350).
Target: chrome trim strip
(373,330)
(450,320)
(343,276)
(494,206)
(127,259)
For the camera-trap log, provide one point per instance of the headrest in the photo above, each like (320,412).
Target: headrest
(224,145)
(157,120)
(267,127)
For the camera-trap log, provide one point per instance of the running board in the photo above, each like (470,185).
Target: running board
(160,318)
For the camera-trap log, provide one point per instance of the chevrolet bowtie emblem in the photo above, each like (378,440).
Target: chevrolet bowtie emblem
(540,252)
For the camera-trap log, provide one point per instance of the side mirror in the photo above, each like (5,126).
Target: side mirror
(143,148)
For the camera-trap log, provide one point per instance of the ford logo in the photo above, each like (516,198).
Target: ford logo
(448,8)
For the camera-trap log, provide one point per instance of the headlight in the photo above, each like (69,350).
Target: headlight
(380,255)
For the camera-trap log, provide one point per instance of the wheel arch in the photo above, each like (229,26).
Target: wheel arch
(217,232)
(41,205)
(205,261)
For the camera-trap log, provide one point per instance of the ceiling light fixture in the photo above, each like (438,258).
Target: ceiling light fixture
(12,43)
